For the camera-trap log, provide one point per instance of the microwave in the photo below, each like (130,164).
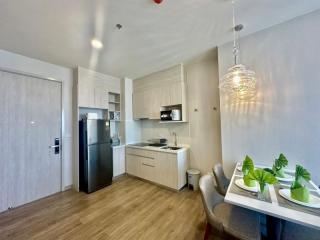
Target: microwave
(170,115)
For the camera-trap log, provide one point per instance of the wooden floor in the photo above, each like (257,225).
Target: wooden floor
(129,209)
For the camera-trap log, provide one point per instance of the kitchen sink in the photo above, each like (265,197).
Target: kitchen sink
(157,144)
(171,148)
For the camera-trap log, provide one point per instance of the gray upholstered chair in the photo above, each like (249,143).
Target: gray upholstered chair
(221,180)
(293,231)
(225,220)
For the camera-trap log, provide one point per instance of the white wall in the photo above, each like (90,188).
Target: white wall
(202,132)
(22,64)
(130,130)
(285,116)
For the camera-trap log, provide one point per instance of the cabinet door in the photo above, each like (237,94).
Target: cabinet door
(141,104)
(165,96)
(86,93)
(133,165)
(137,102)
(167,173)
(101,98)
(122,160)
(118,161)
(154,111)
(176,93)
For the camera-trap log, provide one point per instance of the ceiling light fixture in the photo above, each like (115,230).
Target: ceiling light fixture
(96,43)
(239,82)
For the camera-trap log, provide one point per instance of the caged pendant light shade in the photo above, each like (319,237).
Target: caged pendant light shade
(239,82)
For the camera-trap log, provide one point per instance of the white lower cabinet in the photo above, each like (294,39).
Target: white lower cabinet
(119,161)
(167,169)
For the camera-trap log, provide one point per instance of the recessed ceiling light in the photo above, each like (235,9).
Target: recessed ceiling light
(96,43)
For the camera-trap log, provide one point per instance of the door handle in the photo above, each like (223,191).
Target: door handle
(56,146)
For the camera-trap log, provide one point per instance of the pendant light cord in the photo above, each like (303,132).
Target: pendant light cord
(235,47)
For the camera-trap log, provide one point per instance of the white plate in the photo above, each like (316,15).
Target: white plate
(239,182)
(314,201)
(239,167)
(287,178)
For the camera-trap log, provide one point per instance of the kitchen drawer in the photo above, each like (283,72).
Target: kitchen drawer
(149,169)
(141,153)
(149,162)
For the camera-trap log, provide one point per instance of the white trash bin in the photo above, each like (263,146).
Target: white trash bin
(193,179)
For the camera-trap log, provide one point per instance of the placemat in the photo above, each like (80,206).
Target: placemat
(237,190)
(291,205)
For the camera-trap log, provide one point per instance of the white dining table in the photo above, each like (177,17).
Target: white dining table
(272,208)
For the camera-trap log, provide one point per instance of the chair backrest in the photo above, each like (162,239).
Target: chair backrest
(210,198)
(222,181)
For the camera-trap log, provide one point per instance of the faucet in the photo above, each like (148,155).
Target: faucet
(175,138)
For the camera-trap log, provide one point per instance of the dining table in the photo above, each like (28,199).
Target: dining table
(274,205)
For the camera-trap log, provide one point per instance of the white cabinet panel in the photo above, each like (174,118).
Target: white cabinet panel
(94,88)
(149,168)
(155,106)
(176,93)
(118,161)
(161,89)
(101,99)
(167,174)
(141,104)
(133,165)
(86,93)
(167,169)
(165,95)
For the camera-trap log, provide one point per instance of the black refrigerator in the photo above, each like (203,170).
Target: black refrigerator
(95,155)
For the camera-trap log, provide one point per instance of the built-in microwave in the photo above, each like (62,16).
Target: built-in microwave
(171,115)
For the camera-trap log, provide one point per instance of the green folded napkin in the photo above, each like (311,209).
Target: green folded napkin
(301,194)
(247,167)
(280,173)
(279,165)
(249,182)
(298,190)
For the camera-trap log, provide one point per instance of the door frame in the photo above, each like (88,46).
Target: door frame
(61,113)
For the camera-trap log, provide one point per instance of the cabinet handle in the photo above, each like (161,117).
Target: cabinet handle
(147,165)
(139,156)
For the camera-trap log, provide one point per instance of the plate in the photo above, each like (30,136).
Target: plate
(239,166)
(239,182)
(287,178)
(313,203)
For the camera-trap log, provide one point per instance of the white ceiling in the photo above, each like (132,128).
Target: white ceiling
(153,37)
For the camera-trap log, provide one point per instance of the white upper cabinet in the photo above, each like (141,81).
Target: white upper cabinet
(140,110)
(159,90)
(93,88)
(86,93)
(176,90)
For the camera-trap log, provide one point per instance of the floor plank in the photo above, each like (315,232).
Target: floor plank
(128,209)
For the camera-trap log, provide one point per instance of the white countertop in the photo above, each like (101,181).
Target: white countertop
(159,149)
(117,146)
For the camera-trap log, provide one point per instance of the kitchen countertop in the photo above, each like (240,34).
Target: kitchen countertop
(117,145)
(158,149)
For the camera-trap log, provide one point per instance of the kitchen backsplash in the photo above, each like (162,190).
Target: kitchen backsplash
(154,129)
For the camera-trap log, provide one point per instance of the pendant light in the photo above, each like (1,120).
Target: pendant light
(239,82)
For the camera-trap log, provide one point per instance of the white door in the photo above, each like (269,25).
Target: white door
(30,115)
